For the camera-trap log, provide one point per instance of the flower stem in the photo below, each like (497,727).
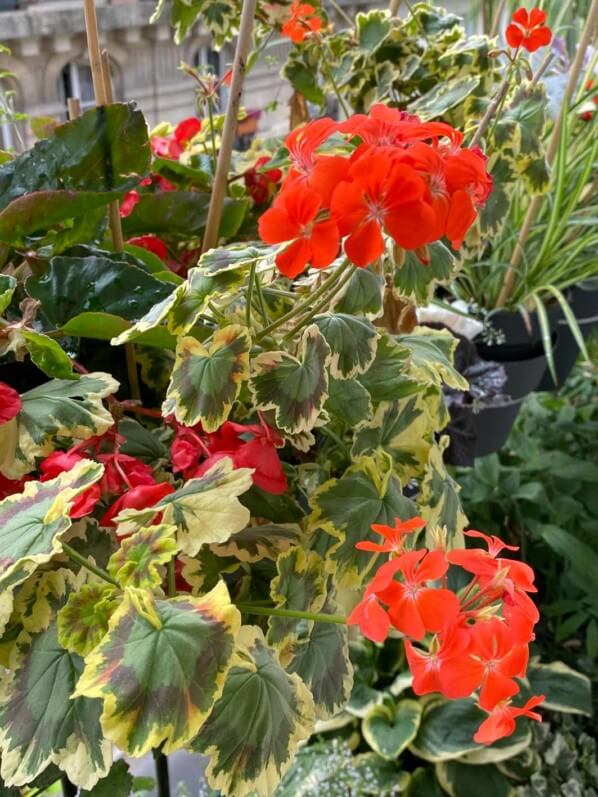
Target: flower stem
(162,774)
(321,305)
(212,134)
(249,296)
(248,608)
(76,557)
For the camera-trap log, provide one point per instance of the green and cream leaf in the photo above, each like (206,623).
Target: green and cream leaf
(140,560)
(352,340)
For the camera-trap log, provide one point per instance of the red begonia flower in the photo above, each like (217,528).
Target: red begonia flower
(501,720)
(260,182)
(142,497)
(122,471)
(128,203)
(302,21)
(528,30)
(187,129)
(12,486)
(152,243)
(394,536)
(293,218)
(61,461)
(10,403)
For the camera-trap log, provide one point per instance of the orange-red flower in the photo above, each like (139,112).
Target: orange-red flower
(501,720)
(528,30)
(293,218)
(394,536)
(302,21)
(377,199)
(371,617)
(427,666)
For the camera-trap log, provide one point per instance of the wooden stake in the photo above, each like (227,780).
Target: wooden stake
(230,125)
(93,48)
(532,211)
(74,107)
(113,208)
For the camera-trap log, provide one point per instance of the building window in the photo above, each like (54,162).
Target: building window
(208,60)
(76,81)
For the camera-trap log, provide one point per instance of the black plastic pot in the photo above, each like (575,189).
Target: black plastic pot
(583,300)
(493,426)
(521,336)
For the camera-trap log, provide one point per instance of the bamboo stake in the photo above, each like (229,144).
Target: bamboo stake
(497,18)
(230,125)
(102,87)
(532,211)
(74,107)
(394,7)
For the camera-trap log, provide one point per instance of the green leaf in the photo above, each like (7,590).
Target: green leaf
(300,586)
(444,96)
(59,409)
(388,379)
(390,727)
(439,500)
(206,380)
(372,28)
(414,279)
(582,558)
(353,342)
(345,508)
(361,296)
(447,728)
(204,510)
(423,783)
(40,723)
(151,320)
(255,543)
(294,387)
(140,558)
(255,728)
(48,355)
(160,668)
(118,782)
(461,780)
(199,290)
(83,620)
(73,285)
(565,689)
(431,357)
(32,524)
(348,400)
(143,443)
(7,288)
(321,659)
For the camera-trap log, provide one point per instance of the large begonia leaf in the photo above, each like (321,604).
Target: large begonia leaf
(7,288)
(152,318)
(405,429)
(32,524)
(300,586)
(160,668)
(352,340)
(204,510)
(206,380)
(348,401)
(388,377)
(255,543)
(414,279)
(345,508)
(361,296)
(321,658)
(59,409)
(140,559)
(294,387)
(39,722)
(74,285)
(254,729)
(47,185)
(83,620)
(439,500)
(431,357)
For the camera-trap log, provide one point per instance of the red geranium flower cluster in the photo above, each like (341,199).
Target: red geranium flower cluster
(247,445)
(261,182)
(397,176)
(473,641)
(528,30)
(303,20)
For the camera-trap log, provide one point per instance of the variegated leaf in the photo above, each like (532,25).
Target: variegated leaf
(152,319)
(444,96)
(83,620)
(203,571)
(414,279)
(362,295)
(61,408)
(388,378)
(321,659)
(32,524)
(206,380)
(348,401)
(140,560)
(300,586)
(160,668)
(345,508)
(431,355)
(41,724)
(7,288)
(200,288)
(260,542)
(439,499)
(254,729)
(204,510)
(352,340)
(294,387)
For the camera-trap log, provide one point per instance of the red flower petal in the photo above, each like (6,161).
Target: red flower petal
(295,258)
(10,403)
(514,36)
(187,129)
(275,227)
(365,245)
